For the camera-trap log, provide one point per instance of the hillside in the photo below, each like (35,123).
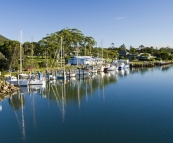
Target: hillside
(2,38)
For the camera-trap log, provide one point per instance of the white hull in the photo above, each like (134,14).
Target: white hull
(111,68)
(121,66)
(20,82)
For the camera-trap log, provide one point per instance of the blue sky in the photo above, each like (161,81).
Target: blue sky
(129,22)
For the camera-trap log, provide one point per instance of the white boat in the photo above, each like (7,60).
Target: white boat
(37,79)
(112,68)
(121,72)
(126,66)
(121,66)
(21,80)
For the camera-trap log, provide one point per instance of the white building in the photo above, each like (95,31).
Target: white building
(84,60)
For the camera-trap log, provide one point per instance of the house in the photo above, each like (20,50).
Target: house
(122,53)
(132,56)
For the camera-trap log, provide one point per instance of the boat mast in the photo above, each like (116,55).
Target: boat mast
(20,51)
(61,52)
(102,51)
(32,54)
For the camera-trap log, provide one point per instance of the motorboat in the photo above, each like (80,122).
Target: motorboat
(37,79)
(121,66)
(112,67)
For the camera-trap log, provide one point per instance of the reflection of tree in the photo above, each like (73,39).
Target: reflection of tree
(16,101)
(165,68)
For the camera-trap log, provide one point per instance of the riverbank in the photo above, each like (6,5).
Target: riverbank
(149,64)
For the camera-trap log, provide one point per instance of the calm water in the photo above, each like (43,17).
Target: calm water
(129,107)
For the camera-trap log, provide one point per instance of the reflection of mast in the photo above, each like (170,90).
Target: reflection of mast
(33,104)
(78,94)
(86,92)
(15,111)
(0,106)
(103,87)
(63,101)
(23,121)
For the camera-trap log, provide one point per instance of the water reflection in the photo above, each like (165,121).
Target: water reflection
(63,92)
(87,94)
(17,102)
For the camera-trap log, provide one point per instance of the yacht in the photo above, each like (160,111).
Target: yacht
(21,80)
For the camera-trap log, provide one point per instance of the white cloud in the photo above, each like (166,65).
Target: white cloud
(120,18)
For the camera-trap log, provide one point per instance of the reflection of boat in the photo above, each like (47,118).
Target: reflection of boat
(36,87)
(82,72)
(61,75)
(126,71)
(51,77)
(121,72)
(70,74)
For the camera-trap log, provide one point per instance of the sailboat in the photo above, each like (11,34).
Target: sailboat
(21,79)
(36,79)
(101,67)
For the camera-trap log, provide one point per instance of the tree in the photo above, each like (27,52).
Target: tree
(122,47)
(132,50)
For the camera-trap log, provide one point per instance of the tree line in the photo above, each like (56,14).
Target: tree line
(65,43)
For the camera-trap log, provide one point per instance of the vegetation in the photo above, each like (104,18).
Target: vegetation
(47,52)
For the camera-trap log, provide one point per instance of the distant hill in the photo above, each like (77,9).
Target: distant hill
(2,38)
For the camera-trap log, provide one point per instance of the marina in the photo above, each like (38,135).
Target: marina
(114,105)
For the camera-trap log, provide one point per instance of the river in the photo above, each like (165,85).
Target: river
(134,106)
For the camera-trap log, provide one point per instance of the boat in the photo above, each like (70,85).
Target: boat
(21,80)
(111,68)
(61,74)
(121,66)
